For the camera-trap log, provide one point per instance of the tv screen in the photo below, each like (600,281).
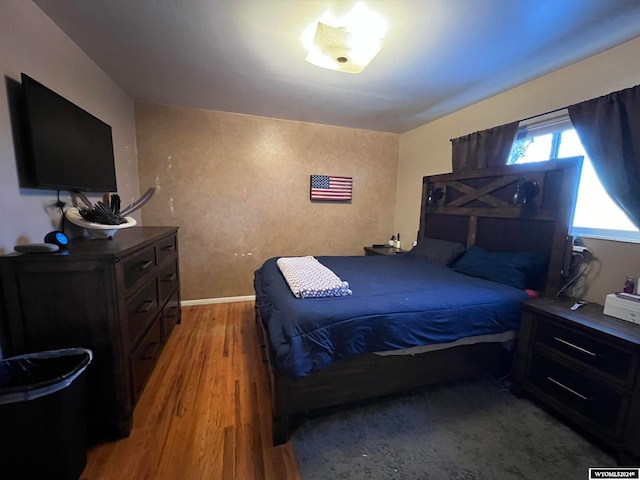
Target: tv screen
(67,147)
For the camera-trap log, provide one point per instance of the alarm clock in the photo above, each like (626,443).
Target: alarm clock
(57,238)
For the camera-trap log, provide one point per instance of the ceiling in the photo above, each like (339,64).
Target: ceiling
(245,56)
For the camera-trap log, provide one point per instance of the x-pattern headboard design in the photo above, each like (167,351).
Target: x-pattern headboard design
(474,207)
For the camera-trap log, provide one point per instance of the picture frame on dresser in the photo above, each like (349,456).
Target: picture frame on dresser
(119,297)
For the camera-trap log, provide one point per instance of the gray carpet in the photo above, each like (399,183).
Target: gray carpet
(472,430)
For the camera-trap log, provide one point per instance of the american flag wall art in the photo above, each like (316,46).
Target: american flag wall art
(331,188)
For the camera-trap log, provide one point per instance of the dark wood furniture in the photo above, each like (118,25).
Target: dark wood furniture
(118,297)
(474,209)
(382,250)
(583,365)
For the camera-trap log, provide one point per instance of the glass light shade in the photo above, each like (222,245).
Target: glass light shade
(525,192)
(349,46)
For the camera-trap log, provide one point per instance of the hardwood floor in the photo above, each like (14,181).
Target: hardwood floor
(205,412)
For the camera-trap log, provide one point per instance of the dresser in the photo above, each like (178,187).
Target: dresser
(119,297)
(583,365)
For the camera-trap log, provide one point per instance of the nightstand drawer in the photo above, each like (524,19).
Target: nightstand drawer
(576,394)
(606,357)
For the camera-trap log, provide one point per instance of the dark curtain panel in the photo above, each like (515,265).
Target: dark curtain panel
(609,129)
(487,148)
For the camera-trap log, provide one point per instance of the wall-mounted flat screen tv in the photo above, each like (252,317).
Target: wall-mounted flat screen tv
(67,147)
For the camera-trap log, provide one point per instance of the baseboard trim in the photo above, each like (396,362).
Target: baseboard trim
(207,301)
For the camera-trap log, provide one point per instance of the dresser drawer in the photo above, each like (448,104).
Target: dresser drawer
(144,357)
(138,266)
(170,316)
(601,355)
(141,308)
(166,248)
(167,280)
(575,393)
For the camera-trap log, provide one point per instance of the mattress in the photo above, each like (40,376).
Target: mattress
(398,302)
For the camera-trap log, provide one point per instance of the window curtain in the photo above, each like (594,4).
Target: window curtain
(609,129)
(487,148)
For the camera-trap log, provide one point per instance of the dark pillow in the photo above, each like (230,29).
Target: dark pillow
(442,251)
(518,269)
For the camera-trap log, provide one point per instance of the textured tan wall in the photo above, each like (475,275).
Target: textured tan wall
(238,188)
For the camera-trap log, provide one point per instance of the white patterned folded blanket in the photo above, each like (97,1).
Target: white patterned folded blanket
(308,278)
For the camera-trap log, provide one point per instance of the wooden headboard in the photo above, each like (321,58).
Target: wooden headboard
(473,207)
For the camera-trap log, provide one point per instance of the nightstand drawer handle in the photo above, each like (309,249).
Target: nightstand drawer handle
(567,388)
(580,349)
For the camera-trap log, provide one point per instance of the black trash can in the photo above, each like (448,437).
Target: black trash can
(43,427)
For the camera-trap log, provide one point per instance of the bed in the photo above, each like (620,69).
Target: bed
(429,316)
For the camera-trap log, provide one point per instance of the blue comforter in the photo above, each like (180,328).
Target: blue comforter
(398,302)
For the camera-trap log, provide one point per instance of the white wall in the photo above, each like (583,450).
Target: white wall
(31,43)
(426,150)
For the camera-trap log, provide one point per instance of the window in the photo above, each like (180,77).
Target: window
(596,214)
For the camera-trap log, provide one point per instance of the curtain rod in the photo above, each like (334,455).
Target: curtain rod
(542,114)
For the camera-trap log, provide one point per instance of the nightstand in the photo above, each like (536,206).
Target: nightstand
(583,365)
(382,250)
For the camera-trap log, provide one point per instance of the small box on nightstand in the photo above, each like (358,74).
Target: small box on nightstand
(624,308)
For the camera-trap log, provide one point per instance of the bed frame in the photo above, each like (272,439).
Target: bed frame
(474,209)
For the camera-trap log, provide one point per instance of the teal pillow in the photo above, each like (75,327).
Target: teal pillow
(518,269)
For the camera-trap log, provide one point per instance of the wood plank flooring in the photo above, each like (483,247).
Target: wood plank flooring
(206,410)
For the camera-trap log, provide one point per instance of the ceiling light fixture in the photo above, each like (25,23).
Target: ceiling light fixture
(345,44)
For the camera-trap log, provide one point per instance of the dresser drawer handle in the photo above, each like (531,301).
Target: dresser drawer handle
(168,248)
(145,306)
(169,278)
(144,265)
(570,390)
(150,353)
(576,347)
(172,312)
